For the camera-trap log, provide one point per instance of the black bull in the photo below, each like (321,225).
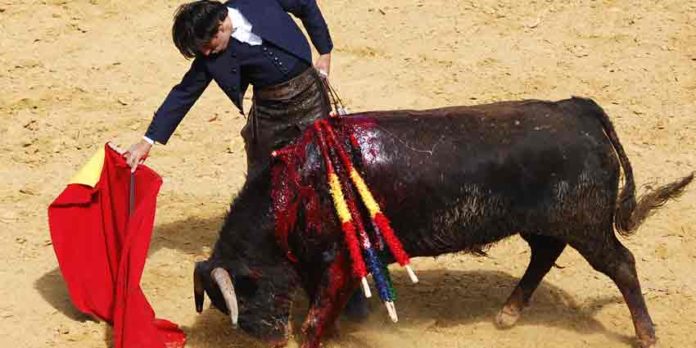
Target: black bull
(453,179)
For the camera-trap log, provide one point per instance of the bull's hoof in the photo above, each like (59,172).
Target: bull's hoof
(279,343)
(333,331)
(507,317)
(650,342)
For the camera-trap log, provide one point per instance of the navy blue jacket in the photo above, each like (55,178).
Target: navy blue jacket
(270,20)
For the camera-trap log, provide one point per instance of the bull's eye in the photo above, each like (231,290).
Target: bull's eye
(245,286)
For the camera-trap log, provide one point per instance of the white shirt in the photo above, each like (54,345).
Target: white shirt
(241,28)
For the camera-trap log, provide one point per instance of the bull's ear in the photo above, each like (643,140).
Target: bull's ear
(198,288)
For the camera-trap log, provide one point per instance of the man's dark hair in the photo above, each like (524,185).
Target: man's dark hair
(195,24)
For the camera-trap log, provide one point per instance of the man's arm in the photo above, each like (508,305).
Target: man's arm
(178,102)
(310,15)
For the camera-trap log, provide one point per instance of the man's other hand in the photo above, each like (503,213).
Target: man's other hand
(323,64)
(137,153)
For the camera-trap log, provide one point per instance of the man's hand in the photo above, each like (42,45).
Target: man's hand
(323,64)
(137,153)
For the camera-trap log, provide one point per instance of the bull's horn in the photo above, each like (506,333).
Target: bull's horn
(198,291)
(222,278)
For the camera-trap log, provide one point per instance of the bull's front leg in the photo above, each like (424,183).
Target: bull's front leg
(330,296)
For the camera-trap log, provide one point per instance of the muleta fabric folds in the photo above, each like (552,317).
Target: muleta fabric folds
(101,248)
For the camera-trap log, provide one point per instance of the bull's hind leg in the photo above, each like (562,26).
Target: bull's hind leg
(545,251)
(609,256)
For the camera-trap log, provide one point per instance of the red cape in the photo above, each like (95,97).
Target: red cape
(101,251)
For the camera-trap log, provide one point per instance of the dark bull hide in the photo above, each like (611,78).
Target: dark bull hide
(450,180)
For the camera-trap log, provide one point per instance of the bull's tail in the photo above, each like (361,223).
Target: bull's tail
(630,213)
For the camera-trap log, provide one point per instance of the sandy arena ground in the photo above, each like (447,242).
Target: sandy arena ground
(75,74)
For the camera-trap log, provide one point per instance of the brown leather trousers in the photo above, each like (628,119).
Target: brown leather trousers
(280,113)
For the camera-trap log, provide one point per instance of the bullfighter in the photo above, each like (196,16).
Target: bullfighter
(241,43)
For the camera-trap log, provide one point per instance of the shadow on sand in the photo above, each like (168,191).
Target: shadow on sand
(54,290)
(442,298)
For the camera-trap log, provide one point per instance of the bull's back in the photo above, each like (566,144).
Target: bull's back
(465,176)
